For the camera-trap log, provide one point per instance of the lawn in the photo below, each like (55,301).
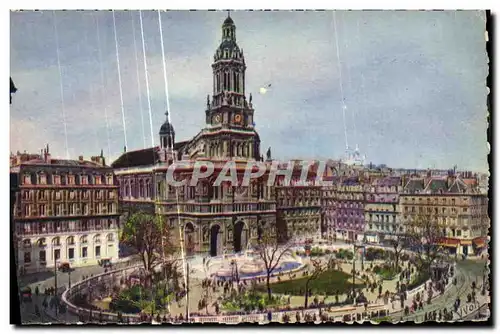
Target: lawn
(328,283)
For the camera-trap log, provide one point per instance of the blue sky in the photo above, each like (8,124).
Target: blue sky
(413,82)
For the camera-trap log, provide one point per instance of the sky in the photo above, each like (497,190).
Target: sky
(411,83)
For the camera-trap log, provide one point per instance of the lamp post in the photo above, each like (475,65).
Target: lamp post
(355,247)
(55,278)
(187,291)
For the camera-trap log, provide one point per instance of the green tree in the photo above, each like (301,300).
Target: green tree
(149,236)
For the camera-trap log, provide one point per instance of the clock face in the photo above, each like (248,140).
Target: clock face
(217,119)
(237,118)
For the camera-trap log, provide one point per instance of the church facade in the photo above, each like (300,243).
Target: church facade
(210,219)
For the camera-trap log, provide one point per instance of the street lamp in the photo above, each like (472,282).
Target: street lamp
(355,247)
(55,277)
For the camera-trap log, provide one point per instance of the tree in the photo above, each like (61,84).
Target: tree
(317,269)
(149,236)
(398,242)
(270,252)
(426,233)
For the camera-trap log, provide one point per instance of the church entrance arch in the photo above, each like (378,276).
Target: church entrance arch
(215,240)
(240,238)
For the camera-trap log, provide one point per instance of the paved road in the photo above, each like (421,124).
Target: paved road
(467,272)
(47,280)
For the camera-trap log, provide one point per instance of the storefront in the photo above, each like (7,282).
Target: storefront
(451,245)
(479,245)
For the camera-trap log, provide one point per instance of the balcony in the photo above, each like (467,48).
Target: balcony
(211,208)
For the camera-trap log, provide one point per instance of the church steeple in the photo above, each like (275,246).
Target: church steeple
(228,29)
(228,69)
(228,110)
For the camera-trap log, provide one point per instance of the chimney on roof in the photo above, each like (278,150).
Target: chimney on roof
(46,155)
(98,160)
(80,158)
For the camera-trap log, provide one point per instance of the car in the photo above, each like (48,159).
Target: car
(105,263)
(64,267)
(26,294)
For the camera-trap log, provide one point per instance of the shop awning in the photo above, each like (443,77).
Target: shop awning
(480,242)
(449,242)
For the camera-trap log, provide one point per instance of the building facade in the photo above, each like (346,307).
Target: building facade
(66,211)
(207,218)
(382,208)
(461,211)
(349,215)
(298,210)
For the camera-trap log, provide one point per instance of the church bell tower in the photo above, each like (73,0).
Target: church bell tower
(229,116)
(229,106)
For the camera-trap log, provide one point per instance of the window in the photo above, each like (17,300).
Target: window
(56,241)
(97,179)
(27,257)
(42,210)
(42,242)
(57,179)
(110,237)
(84,179)
(459,233)
(71,253)
(71,240)
(27,243)
(464,210)
(58,195)
(42,256)
(110,208)
(97,251)
(57,254)
(27,179)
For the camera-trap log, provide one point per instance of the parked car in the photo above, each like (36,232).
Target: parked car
(105,263)
(64,267)
(26,294)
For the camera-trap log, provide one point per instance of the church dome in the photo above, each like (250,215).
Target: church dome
(166,128)
(228,21)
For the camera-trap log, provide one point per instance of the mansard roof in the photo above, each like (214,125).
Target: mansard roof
(145,157)
(389,181)
(415,186)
